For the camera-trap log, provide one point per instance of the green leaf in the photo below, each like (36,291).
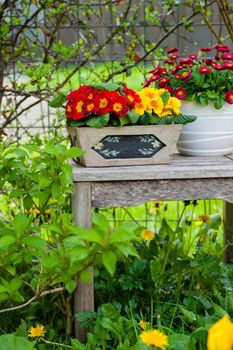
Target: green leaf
(219,103)
(101,222)
(5,241)
(184,119)
(15,284)
(13,342)
(99,121)
(106,86)
(70,286)
(109,262)
(127,249)
(146,119)
(73,152)
(181,342)
(165,97)
(85,276)
(124,120)
(76,345)
(34,241)
(77,123)
(58,100)
(124,232)
(133,117)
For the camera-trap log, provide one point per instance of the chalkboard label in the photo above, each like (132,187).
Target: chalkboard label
(128,146)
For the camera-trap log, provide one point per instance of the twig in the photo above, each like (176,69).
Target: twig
(37,296)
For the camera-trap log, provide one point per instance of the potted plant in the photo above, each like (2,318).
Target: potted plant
(205,85)
(100,119)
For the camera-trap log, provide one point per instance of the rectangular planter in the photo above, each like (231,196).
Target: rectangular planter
(127,145)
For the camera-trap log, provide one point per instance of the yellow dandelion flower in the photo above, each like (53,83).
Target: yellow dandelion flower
(147,235)
(37,331)
(34,211)
(220,335)
(204,217)
(198,223)
(154,338)
(201,239)
(174,105)
(143,324)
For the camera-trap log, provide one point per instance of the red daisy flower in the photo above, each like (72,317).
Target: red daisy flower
(180,93)
(172,50)
(228,65)
(168,88)
(227,56)
(186,60)
(222,48)
(204,70)
(163,82)
(205,49)
(217,66)
(193,56)
(171,62)
(186,75)
(229,97)
(174,56)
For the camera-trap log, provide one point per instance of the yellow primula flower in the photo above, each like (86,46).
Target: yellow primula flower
(141,107)
(165,112)
(37,331)
(154,338)
(147,235)
(157,105)
(220,335)
(174,105)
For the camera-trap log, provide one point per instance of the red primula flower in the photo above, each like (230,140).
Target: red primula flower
(172,50)
(180,93)
(229,97)
(204,70)
(132,96)
(120,105)
(75,110)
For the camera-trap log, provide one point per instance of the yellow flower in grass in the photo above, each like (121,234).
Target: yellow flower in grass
(147,235)
(37,331)
(220,335)
(154,338)
(143,324)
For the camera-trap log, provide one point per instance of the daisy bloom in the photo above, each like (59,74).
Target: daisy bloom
(172,50)
(222,48)
(154,338)
(229,97)
(180,93)
(204,70)
(37,331)
(193,56)
(205,49)
(204,217)
(147,235)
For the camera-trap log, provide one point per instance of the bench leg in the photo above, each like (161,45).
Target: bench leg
(228,230)
(84,294)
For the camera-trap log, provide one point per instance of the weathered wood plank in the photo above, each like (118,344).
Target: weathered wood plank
(124,193)
(180,167)
(228,230)
(84,294)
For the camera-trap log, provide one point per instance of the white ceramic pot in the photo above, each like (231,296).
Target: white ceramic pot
(211,134)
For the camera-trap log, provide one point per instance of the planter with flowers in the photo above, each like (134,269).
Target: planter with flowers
(116,126)
(205,85)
